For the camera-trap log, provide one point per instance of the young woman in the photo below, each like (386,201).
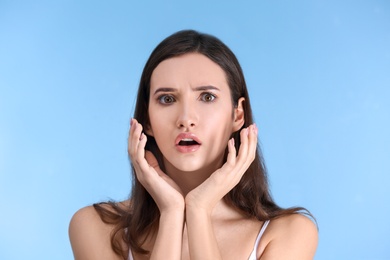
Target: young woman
(200,187)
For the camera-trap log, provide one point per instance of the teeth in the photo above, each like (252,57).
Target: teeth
(187,141)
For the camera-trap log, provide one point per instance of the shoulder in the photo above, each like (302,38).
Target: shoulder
(294,225)
(90,236)
(290,237)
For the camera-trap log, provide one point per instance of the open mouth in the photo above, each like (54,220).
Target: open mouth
(188,142)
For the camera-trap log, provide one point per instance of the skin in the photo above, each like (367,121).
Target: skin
(190,94)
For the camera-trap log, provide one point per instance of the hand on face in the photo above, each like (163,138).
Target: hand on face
(167,194)
(213,189)
(163,189)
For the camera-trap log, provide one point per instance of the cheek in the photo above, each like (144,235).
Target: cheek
(220,126)
(221,116)
(161,128)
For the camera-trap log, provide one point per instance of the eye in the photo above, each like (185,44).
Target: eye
(207,97)
(166,99)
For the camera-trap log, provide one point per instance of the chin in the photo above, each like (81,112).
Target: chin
(192,163)
(194,166)
(187,168)
(186,165)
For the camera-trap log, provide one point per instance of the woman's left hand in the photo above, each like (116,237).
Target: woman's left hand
(213,189)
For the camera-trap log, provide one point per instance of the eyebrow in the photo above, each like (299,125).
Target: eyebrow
(201,88)
(164,90)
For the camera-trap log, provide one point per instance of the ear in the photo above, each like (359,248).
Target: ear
(239,115)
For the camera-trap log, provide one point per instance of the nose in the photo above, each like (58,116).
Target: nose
(187,117)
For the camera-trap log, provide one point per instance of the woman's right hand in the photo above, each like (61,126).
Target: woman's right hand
(164,191)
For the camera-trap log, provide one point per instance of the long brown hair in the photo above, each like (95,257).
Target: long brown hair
(251,195)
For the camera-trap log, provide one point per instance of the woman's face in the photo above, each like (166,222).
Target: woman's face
(191,112)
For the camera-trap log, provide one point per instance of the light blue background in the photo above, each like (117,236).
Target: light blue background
(318,74)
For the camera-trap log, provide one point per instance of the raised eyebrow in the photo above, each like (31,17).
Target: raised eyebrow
(203,88)
(165,90)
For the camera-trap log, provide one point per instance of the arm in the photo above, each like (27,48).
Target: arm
(292,237)
(90,236)
(201,201)
(169,237)
(201,237)
(165,193)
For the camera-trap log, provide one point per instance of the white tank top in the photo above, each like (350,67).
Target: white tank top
(256,245)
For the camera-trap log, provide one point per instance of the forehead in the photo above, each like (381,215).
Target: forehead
(193,69)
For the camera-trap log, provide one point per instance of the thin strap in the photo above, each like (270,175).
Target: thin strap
(262,230)
(130,257)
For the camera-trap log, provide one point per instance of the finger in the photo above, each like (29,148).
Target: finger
(151,159)
(237,162)
(142,169)
(248,149)
(148,172)
(243,150)
(252,143)
(231,157)
(129,137)
(135,137)
(132,143)
(137,142)
(141,146)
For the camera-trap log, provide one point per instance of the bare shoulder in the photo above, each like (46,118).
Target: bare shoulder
(294,225)
(90,236)
(290,237)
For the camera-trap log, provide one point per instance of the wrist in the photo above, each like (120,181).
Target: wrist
(177,210)
(198,210)
(194,205)
(172,218)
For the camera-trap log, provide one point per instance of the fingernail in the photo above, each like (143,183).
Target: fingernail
(254,128)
